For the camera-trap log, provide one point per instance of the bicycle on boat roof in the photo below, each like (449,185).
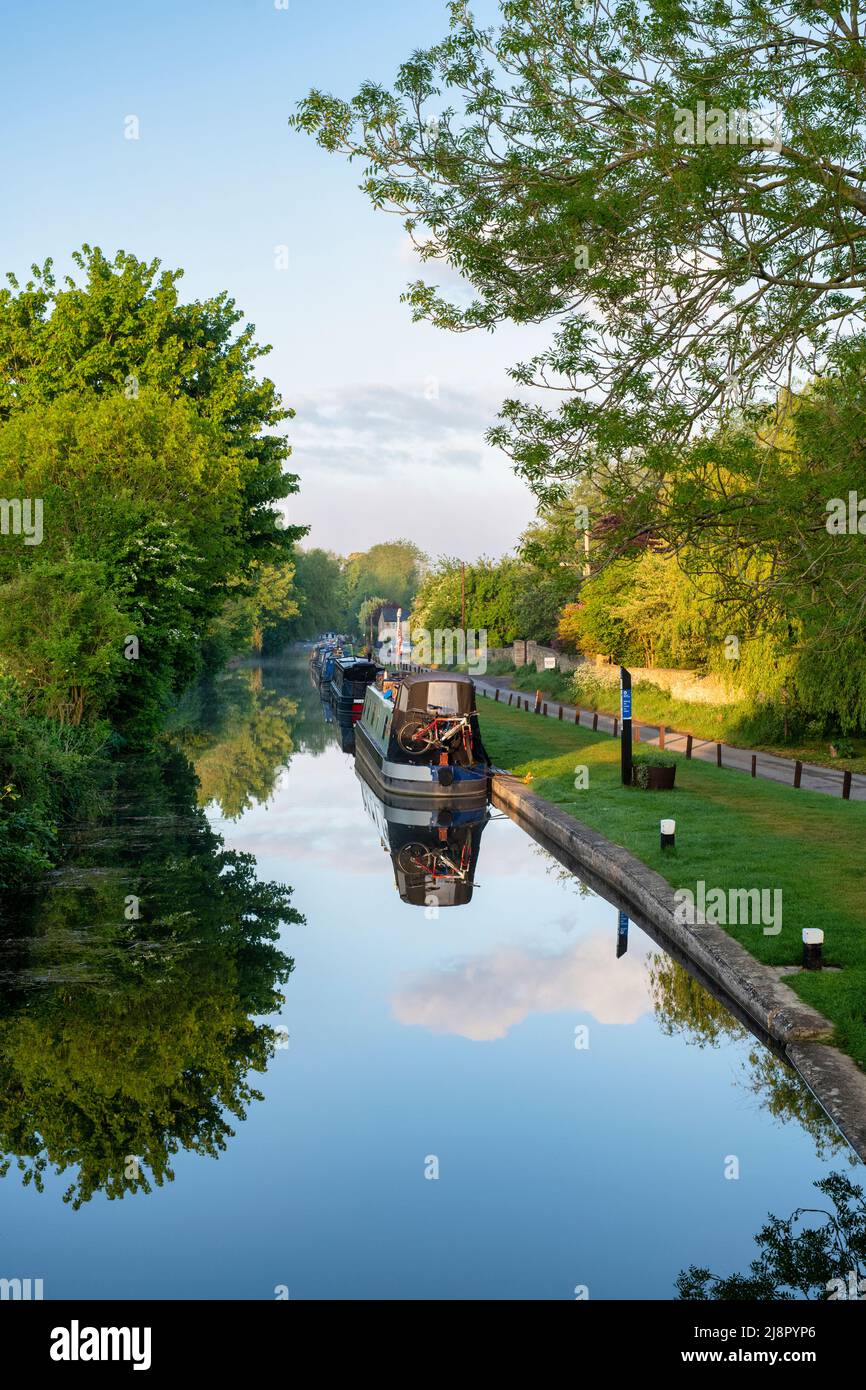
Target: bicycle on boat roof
(422,735)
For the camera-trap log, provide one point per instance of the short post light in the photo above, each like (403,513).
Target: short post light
(813,942)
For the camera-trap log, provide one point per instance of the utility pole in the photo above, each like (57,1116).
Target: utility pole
(463,595)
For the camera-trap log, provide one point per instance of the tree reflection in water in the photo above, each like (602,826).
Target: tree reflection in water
(684,1007)
(130,982)
(818,1251)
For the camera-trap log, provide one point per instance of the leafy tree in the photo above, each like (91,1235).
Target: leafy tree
(368,615)
(122,329)
(320,594)
(593,624)
(550,160)
(61,637)
(139,425)
(393,568)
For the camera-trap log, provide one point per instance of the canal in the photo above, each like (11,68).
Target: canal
(211,1090)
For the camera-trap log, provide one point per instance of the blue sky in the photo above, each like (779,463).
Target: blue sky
(391,415)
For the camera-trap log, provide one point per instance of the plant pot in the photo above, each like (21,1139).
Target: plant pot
(655,779)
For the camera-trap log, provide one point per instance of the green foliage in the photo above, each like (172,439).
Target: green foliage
(122,330)
(649,758)
(320,596)
(139,424)
(594,624)
(544,159)
(48,775)
(507,597)
(140,1039)
(392,568)
(687,281)
(61,638)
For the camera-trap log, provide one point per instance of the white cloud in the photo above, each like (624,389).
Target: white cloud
(482,997)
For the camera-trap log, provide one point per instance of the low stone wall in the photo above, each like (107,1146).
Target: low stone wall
(528,653)
(682,685)
(753,991)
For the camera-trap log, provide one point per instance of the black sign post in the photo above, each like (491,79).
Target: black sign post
(625,711)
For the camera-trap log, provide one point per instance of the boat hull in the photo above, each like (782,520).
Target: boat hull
(419,783)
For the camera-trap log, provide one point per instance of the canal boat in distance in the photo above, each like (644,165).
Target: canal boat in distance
(418,738)
(350,679)
(433,848)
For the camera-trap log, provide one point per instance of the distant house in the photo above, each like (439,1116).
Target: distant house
(392,634)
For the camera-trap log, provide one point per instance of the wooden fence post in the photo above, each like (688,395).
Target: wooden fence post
(595,721)
(496,696)
(798,773)
(661,736)
(688,745)
(846,785)
(544,709)
(718,755)
(636,732)
(616,726)
(577,716)
(560,711)
(754,764)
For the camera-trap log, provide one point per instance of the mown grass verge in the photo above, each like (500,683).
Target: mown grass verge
(738,725)
(732,832)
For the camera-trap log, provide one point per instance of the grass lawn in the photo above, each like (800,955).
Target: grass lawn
(723,723)
(732,832)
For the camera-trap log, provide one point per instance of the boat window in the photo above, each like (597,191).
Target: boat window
(444,695)
(403,702)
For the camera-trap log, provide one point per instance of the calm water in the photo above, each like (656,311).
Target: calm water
(181,1118)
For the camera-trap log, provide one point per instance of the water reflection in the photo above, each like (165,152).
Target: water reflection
(138,996)
(816,1252)
(130,983)
(433,849)
(684,1008)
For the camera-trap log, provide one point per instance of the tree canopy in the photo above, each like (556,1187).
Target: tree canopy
(688,265)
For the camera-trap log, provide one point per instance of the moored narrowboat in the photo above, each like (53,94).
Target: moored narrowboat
(350,679)
(418,737)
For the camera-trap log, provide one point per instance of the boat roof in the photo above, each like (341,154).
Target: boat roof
(413,678)
(345,662)
(418,688)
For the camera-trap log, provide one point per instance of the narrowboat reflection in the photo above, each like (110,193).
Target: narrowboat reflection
(434,849)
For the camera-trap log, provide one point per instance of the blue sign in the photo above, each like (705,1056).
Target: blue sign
(625,697)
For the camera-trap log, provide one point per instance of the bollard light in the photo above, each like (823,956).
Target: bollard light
(668,830)
(813,941)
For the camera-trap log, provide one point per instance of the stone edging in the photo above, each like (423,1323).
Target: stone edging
(762,1000)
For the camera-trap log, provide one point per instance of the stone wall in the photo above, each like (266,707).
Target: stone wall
(528,653)
(682,685)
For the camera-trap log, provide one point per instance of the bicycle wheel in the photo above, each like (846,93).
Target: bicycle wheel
(414,859)
(415,737)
